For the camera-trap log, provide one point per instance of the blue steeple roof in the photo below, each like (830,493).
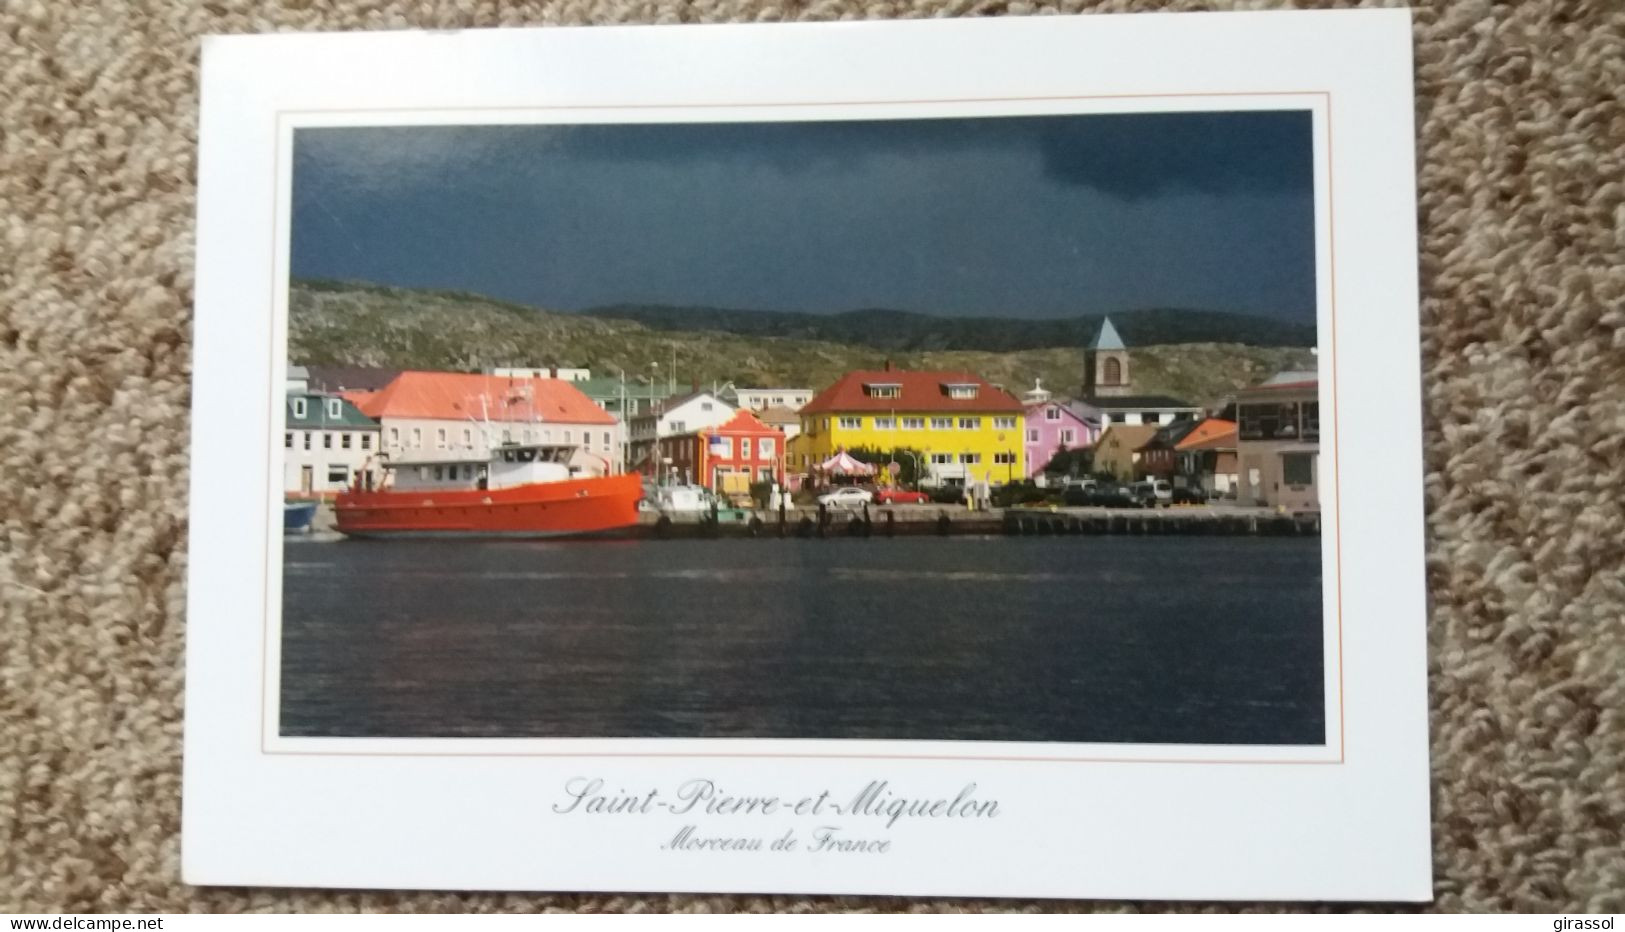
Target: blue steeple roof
(1107,338)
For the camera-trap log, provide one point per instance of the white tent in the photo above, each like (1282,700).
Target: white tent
(842,464)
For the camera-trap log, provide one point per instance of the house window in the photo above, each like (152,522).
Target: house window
(676,428)
(468,437)
(1004,459)
(765,447)
(1068,435)
(1297,469)
(1113,371)
(566,436)
(366,441)
(942,459)
(744,448)
(913,423)
(344,441)
(299,409)
(507,435)
(851,423)
(338,473)
(942,423)
(970,423)
(287,440)
(1052,414)
(826,423)
(778,400)
(705,406)
(607,442)
(335,409)
(1032,436)
(307,440)
(765,473)
(885,423)
(525,436)
(1004,423)
(417,436)
(439,473)
(970,459)
(884,390)
(394,436)
(327,441)
(961,391)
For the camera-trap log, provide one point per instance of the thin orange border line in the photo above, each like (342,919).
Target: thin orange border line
(1337,485)
(812,103)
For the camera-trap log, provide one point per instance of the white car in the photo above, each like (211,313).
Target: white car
(847,496)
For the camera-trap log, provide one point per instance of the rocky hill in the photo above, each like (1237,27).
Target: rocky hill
(901,331)
(360,324)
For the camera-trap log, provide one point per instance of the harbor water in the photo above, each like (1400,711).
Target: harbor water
(1113,639)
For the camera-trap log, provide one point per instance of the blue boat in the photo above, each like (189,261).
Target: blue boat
(296,516)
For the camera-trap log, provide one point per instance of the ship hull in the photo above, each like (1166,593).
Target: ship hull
(568,508)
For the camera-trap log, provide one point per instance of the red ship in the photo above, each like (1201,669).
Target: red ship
(527,490)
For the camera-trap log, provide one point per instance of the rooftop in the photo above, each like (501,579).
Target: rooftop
(1107,338)
(917,390)
(1139,403)
(1211,434)
(465,396)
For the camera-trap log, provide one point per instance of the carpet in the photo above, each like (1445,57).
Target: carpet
(1522,170)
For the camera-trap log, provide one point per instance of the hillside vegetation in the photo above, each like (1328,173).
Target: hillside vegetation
(901,331)
(400,328)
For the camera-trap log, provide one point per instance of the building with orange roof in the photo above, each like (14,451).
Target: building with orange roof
(964,428)
(451,415)
(726,458)
(1207,457)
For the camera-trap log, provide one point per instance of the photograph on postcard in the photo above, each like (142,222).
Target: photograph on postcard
(987,428)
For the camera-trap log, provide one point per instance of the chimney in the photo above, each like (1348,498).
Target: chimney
(553,372)
(888,363)
(696,384)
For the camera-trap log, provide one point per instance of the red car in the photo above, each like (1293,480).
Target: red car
(900,497)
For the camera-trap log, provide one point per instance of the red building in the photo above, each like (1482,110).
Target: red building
(741,447)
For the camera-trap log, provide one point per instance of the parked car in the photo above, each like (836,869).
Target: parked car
(1080,485)
(1188,496)
(847,496)
(900,497)
(1113,495)
(1153,492)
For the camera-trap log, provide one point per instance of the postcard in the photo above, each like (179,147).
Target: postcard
(935,458)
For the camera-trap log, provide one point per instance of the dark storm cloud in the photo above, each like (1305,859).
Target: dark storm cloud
(1013,216)
(1141,155)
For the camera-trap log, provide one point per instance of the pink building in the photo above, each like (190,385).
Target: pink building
(1055,424)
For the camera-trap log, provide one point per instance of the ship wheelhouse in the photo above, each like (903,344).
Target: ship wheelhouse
(508,466)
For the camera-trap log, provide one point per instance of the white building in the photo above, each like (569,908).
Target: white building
(428,415)
(544,372)
(760,399)
(325,440)
(682,414)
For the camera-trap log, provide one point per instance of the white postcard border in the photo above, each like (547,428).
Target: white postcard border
(245,784)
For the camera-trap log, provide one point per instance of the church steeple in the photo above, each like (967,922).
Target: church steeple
(1105,364)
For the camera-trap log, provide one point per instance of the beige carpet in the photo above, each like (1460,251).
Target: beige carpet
(1523,221)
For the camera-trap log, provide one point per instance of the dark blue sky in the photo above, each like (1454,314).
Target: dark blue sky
(1008,216)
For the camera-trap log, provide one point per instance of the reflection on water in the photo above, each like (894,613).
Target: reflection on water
(1167,639)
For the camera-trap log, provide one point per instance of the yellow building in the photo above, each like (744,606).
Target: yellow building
(964,428)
